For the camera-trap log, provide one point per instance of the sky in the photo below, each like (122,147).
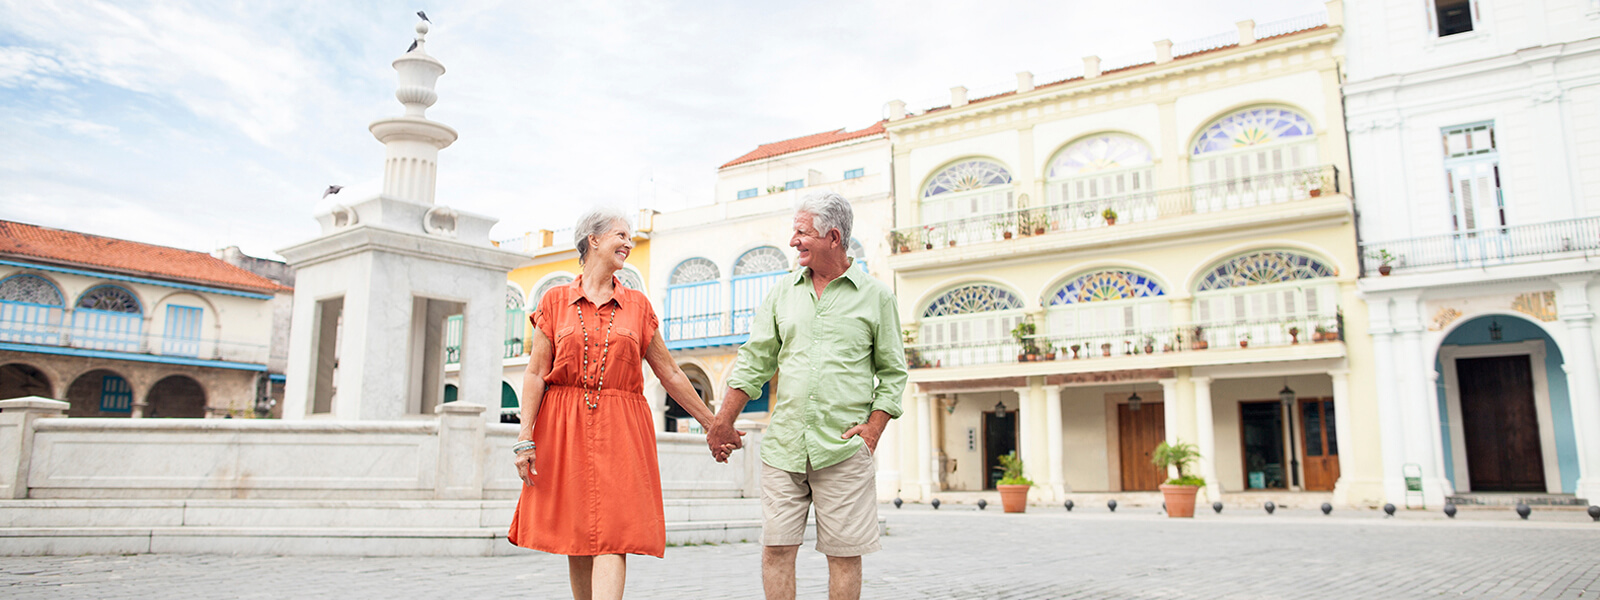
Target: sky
(208,124)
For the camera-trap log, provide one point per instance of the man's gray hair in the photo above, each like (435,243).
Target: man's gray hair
(596,222)
(828,211)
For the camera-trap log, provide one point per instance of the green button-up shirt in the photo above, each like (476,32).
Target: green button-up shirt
(828,353)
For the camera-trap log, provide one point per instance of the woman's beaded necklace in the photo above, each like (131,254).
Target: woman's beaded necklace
(604,352)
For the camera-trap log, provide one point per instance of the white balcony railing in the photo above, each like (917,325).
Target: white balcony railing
(1486,247)
(21,326)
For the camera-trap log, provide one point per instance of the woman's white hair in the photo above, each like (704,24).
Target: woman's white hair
(828,211)
(596,222)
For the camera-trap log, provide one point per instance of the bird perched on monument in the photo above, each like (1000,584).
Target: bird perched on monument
(413,47)
(423,15)
(332,189)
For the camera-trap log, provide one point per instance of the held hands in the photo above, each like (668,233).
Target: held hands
(723,439)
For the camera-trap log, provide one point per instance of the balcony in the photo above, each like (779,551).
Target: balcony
(726,328)
(512,345)
(1236,203)
(45,335)
(1485,247)
(1302,338)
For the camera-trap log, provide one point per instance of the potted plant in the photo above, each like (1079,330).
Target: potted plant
(1109,215)
(1075,348)
(1178,492)
(900,241)
(1294,334)
(1023,333)
(1318,334)
(1200,342)
(1013,485)
(774,189)
(927,237)
(1050,352)
(1384,259)
(1310,182)
(1002,226)
(1244,340)
(1149,344)
(1105,349)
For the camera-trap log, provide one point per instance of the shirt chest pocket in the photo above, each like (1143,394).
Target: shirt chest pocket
(853,340)
(625,339)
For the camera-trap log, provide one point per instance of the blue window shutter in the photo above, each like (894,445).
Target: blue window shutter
(116,395)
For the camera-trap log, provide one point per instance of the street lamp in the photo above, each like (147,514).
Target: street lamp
(1495,332)
(1134,401)
(1000,409)
(1286,395)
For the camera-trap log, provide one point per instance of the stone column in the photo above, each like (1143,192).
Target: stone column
(1207,434)
(461,439)
(1169,397)
(1418,400)
(1579,354)
(1057,479)
(887,459)
(928,463)
(17,417)
(1341,423)
(1028,443)
(1391,420)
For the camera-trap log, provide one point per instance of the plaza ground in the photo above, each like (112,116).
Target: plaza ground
(957,552)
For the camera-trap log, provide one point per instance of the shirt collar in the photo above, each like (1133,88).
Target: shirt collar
(577,289)
(851,274)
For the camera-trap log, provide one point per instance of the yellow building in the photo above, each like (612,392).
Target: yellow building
(1161,249)
(552,261)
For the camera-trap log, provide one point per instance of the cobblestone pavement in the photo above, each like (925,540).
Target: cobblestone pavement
(954,553)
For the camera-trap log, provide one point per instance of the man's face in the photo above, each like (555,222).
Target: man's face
(807,239)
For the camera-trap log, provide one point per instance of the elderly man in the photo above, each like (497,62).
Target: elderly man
(833,334)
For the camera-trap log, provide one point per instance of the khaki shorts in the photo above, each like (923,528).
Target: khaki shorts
(846,499)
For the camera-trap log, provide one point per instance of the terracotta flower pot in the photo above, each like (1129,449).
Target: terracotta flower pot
(1384,270)
(1179,499)
(1015,498)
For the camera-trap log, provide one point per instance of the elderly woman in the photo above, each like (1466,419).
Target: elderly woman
(594,491)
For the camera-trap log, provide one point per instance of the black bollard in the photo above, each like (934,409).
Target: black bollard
(1450,510)
(982,504)
(1388,508)
(1068,504)
(1594,513)
(1163,507)
(935,503)
(1270,507)
(1112,504)
(1217,506)
(898,502)
(1523,511)
(1327,508)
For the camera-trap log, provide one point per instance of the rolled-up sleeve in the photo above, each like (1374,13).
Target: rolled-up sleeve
(758,357)
(888,360)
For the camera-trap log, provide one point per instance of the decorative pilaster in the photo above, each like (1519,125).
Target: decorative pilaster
(1391,419)
(929,463)
(1169,396)
(1341,422)
(1056,478)
(1581,365)
(1208,438)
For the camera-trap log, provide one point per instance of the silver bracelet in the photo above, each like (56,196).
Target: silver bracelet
(519,447)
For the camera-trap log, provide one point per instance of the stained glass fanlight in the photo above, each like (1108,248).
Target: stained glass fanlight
(31,289)
(1252,127)
(694,270)
(1264,267)
(1100,153)
(765,259)
(630,279)
(109,298)
(513,297)
(971,299)
(965,176)
(1106,285)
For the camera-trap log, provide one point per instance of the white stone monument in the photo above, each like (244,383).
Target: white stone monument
(373,292)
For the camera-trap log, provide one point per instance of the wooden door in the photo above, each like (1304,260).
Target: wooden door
(1499,424)
(1139,432)
(999,439)
(1319,443)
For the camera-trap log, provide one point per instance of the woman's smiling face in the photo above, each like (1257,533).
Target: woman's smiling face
(614,245)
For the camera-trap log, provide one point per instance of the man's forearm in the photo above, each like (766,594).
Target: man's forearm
(733,402)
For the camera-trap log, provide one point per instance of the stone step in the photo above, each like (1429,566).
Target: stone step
(1509,499)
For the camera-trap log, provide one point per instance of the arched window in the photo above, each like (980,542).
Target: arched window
(1264,294)
(967,188)
(1111,303)
(516,322)
(1260,155)
(549,284)
(970,324)
(1101,166)
(858,253)
(694,301)
(630,279)
(753,275)
(30,310)
(107,317)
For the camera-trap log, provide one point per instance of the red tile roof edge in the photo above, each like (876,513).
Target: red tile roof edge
(805,142)
(125,257)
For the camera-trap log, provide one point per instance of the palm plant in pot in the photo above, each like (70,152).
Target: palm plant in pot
(1014,486)
(1179,491)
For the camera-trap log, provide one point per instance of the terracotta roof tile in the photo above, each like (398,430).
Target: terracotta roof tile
(128,258)
(803,143)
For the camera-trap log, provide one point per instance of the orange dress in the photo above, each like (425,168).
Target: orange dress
(598,490)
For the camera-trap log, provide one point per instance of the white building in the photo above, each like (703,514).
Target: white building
(1474,130)
(711,265)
